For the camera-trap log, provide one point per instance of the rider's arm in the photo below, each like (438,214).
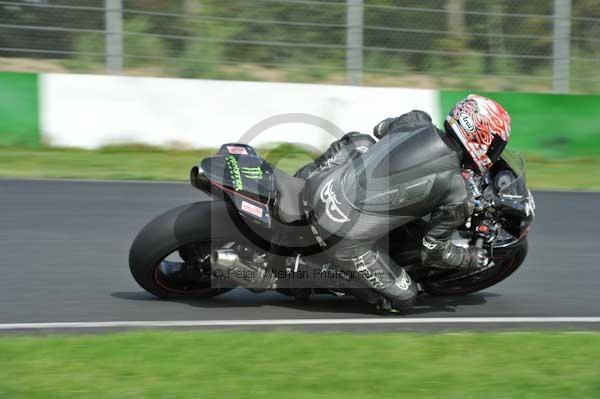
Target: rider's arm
(438,249)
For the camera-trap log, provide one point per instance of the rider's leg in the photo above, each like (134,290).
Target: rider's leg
(346,277)
(348,234)
(379,272)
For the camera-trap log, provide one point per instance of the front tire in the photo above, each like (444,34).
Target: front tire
(508,260)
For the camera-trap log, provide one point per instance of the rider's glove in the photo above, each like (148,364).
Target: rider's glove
(404,123)
(475,258)
(382,128)
(443,254)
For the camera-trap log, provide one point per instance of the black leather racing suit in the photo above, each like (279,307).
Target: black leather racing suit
(355,196)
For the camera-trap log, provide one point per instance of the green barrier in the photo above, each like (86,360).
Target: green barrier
(19,111)
(547,125)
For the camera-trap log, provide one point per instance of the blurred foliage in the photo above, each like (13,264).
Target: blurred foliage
(305,41)
(139,48)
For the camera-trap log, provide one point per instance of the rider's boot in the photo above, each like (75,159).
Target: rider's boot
(374,267)
(326,276)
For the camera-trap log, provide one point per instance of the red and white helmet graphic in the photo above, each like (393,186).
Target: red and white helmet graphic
(482,126)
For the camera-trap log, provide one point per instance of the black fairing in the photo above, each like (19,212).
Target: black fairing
(243,173)
(260,193)
(239,174)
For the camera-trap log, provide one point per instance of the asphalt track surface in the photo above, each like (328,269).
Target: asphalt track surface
(64,248)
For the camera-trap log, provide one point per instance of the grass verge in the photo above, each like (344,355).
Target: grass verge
(122,163)
(301,365)
(142,163)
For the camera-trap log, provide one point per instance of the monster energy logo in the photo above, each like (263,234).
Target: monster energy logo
(234,172)
(252,173)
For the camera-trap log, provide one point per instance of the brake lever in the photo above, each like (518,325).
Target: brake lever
(486,233)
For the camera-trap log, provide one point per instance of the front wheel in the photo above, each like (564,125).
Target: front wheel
(507,261)
(170,257)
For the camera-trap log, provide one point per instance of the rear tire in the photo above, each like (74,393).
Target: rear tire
(173,230)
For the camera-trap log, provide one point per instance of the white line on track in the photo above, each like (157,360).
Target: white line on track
(290,322)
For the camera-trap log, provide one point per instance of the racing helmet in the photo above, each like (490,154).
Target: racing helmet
(482,126)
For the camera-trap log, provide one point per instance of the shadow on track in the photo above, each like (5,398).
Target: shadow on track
(317,303)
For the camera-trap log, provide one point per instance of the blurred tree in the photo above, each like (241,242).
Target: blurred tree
(587,28)
(26,13)
(200,37)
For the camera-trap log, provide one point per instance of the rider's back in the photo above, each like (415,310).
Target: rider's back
(412,170)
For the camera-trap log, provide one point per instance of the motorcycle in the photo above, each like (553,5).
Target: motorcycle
(254,233)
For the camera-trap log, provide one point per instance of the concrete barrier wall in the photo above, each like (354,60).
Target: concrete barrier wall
(92,111)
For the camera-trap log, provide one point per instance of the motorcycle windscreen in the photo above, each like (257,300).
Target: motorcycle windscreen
(516,186)
(515,199)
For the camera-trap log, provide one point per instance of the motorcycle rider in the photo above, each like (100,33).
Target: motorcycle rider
(359,190)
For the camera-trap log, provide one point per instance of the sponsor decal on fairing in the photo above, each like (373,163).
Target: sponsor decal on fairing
(254,173)
(234,173)
(252,209)
(237,150)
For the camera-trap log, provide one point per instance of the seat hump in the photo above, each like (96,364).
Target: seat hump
(289,197)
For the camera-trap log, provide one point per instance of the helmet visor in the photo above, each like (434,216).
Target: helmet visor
(495,149)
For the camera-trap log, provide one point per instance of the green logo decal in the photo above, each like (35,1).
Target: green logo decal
(234,172)
(252,173)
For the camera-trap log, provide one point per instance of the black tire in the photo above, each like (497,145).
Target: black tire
(173,230)
(508,260)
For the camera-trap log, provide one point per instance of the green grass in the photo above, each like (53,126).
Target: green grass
(120,163)
(301,365)
(579,174)
(143,163)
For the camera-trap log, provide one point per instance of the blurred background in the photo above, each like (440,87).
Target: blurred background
(93,89)
(94,74)
(537,45)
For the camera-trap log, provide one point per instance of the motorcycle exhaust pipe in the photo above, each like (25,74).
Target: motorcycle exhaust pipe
(199,179)
(224,258)
(246,274)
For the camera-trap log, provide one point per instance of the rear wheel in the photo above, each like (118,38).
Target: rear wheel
(170,257)
(187,275)
(507,261)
